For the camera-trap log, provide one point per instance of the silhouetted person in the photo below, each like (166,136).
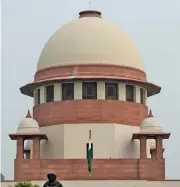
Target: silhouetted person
(52,182)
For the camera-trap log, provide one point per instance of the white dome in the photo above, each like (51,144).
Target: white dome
(150,124)
(90,40)
(28,125)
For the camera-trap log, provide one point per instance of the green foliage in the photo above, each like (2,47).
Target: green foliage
(36,185)
(26,184)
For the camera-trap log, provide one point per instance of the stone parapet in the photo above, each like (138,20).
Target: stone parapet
(102,169)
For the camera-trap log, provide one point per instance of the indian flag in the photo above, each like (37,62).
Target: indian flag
(89,154)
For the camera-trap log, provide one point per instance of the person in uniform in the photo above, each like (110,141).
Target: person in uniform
(52,182)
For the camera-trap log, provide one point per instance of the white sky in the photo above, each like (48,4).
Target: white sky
(154,25)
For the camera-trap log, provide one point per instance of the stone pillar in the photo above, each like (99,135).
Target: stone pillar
(57,91)
(36,148)
(34,97)
(159,147)
(42,94)
(20,148)
(101,90)
(77,90)
(145,96)
(137,94)
(122,91)
(143,153)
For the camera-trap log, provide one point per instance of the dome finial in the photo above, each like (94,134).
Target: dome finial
(28,114)
(150,113)
(90,13)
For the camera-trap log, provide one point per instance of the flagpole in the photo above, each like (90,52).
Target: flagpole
(89,142)
(89,175)
(89,134)
(89,5)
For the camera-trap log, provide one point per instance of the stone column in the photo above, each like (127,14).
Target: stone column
(143,153)
(101,90)
(159,147)
(122,91)
(57,92)
(20,148)
(77,90)
(42,94)
(137,94)
(36,148)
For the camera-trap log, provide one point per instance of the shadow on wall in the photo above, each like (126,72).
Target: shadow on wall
(132,147)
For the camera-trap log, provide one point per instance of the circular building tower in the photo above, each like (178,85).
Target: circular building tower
(90,76)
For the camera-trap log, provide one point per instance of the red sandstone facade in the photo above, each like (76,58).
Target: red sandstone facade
(76,169)
(90,111)
(102,169)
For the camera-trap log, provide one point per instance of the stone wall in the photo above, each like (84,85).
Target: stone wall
(102,169)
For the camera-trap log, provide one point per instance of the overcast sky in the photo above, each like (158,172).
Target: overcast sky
(154,25)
